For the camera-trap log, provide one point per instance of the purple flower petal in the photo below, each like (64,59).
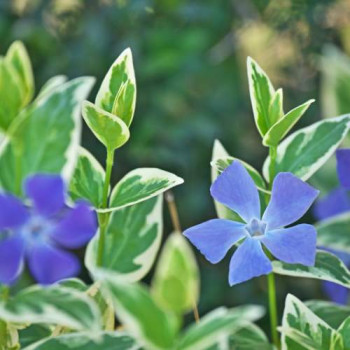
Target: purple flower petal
(11,259)
(49,264)
(293,245)
(236,189)
(215,237)
(343,167)
(76,228)
(336,293)
(47,193)
(335,203)
(290,199)
(12,212)
(248,261)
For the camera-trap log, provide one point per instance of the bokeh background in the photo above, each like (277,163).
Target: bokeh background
(190,59)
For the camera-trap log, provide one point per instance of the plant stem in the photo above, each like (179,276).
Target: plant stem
(273,155)
(271,277)
(170,199)
(273,309)
(103,217)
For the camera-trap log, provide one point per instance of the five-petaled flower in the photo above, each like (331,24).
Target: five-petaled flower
(335,203)
(290,199)
(37,233)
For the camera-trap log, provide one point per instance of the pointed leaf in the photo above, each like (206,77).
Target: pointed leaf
(47,135)
(300,326)
(279,130)
(139,185)
(261,95)
(327,267)
(175,284)
(88,179)
(132,240)
(306,150)
(117,94)
(276,107)
(54,305)
(108,128)
(17,56)
(334,232)
(86,341)
(218,323)
(139,313)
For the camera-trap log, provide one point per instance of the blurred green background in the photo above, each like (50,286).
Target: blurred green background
(190,58)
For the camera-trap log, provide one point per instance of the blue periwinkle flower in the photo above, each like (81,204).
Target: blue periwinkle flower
(290,199)
(335,203)
(40,233)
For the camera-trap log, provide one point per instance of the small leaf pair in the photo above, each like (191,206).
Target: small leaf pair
(267,105)
(111,115)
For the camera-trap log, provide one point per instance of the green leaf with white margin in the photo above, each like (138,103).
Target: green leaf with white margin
(132,240)
(108,128)
(261,94)
(117,94)
(86,341)
(175,284)
(302,329)
(17,56)
(344,331)
(306,150)
(138,312)
(48,134)
(334,314)
(222,211)
(139,185)
(11,94)
(88,179)
(53,305)
(276,107)
(51,84)
(334,232)
(217,324)
(327,267)
(249,337)
(279,130)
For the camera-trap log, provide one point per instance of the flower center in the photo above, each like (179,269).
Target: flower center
(256,228)
(36,229)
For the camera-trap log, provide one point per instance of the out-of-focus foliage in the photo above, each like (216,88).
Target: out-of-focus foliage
(191,80)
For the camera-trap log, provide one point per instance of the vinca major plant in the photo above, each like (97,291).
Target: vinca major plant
(74,247)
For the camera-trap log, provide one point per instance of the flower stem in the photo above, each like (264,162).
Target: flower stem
(169,197)
(273,309)
(272,169)
(103,217)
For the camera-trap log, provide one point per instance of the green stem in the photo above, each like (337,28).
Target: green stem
(273,309)
(103,217)
(273,155)
(271,277)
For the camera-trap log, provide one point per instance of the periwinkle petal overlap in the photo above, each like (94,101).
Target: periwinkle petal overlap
(290,199)
(41,232)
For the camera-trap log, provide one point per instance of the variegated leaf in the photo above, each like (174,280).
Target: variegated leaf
(306,150)
(217,324)
(139,185)
(175,284)
(55,305)
(88,179)
(327,267)
(302,329)
(47,135)
(87,341)
(132,241)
